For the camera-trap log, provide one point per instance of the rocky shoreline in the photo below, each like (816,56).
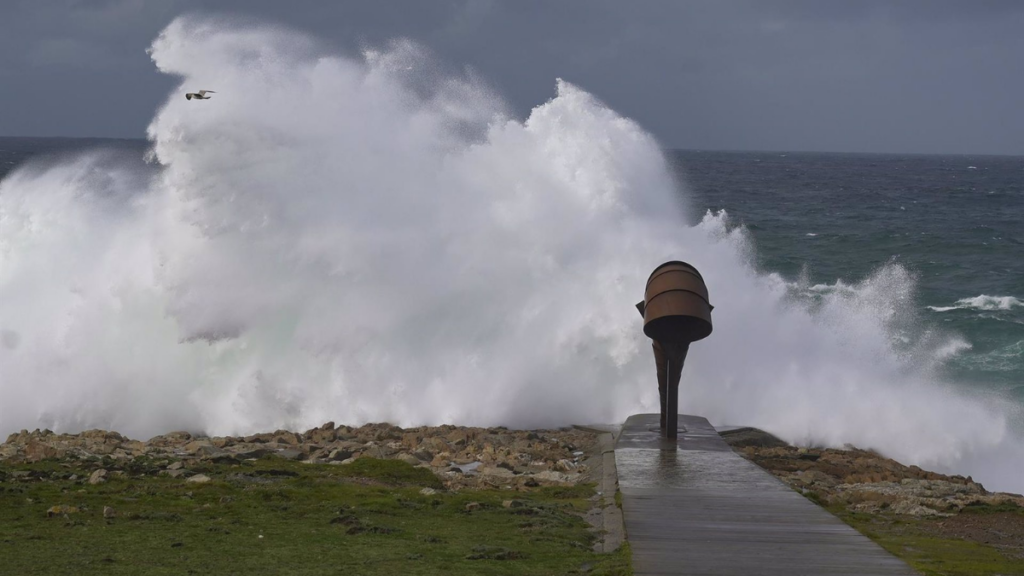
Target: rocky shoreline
(897,504)
(461,457)
(864,481)
(466,457)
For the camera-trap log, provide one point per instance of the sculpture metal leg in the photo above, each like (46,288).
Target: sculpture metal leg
(671,406)
(664,378)
(669,359)
(663,398)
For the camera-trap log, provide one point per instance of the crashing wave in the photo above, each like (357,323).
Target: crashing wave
(365,239)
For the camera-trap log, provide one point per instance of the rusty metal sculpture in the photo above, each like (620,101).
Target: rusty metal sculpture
(676,313)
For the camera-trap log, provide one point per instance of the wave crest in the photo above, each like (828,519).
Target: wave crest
(982,302)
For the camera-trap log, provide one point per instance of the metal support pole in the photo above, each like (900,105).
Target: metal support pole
(671,404)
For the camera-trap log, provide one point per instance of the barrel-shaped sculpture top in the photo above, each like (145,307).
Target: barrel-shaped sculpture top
(676,306)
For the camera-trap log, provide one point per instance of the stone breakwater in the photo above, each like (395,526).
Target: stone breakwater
(461,457)
(863,481)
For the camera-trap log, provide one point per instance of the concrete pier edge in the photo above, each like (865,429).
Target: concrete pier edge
(614,528)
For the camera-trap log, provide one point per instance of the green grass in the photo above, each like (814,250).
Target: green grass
(929,554)
(366,518)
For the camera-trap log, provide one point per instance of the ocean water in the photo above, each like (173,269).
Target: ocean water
(956,223)
(390,243)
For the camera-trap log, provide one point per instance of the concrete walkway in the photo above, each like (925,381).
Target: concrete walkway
(697,508)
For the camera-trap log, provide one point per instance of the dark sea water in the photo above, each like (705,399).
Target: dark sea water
(15,151)
(955,222)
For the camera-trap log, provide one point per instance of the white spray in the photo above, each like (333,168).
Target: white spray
(365,240)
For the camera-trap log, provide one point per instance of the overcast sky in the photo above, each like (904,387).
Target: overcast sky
(925,76)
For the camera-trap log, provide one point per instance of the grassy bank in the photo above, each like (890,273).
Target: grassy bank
(273,516)
(933,547)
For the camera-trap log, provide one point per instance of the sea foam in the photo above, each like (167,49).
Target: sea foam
(982,302)
(367,239)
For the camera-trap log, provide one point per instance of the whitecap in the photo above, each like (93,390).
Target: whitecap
(951,348)
(982,302)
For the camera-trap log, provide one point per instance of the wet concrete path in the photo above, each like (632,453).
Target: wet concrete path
(694,507)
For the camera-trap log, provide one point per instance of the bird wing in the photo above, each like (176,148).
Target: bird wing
(203,92)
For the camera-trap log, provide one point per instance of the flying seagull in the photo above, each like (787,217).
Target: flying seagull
(201,95)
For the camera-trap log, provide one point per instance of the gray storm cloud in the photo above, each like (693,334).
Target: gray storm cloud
(916,76)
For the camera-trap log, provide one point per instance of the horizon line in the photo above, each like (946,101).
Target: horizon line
(666,149)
